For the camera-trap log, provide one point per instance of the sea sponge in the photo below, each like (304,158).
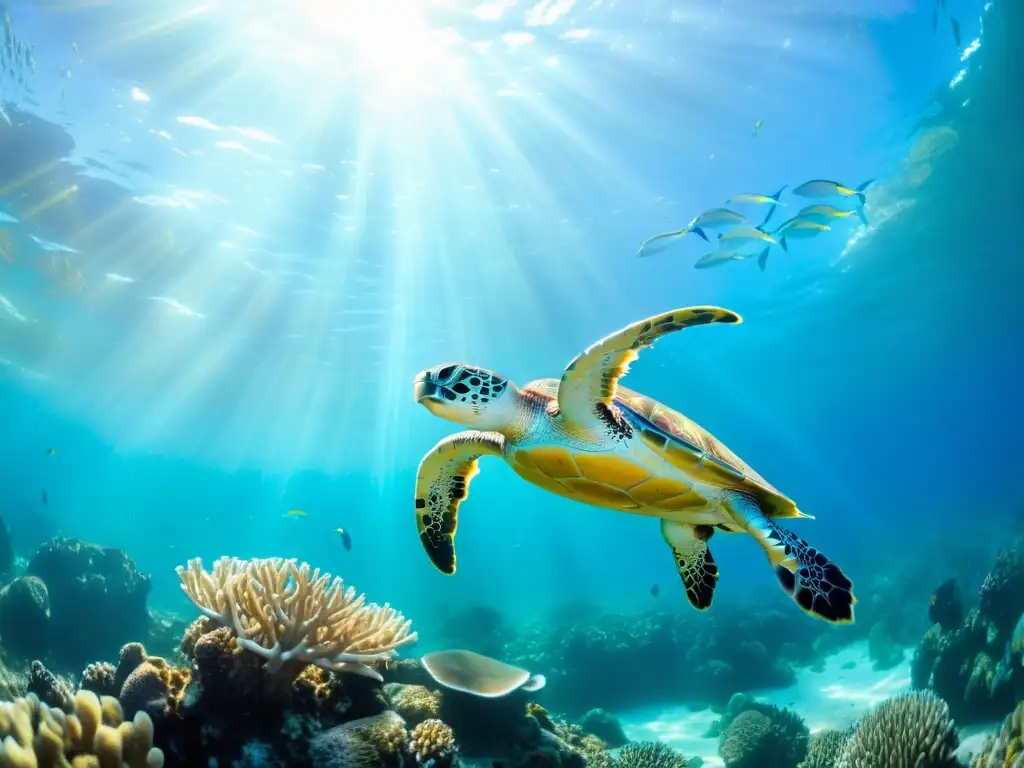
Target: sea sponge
(649,754)
(434,741)
(99,678)
(1006,750)
(36,736)
(291,615)
(826,746)
(912,729)
(415,703)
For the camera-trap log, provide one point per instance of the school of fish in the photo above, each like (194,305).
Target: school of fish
(739,239)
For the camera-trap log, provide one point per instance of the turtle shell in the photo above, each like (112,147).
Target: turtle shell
(695,450)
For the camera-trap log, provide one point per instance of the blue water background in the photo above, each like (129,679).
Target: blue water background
(877,382)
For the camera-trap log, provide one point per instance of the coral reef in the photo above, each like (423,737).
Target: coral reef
(825,749)
(370,741)
(591,749)
(25,617)
(708,657)
(1005,749)
(945,606)
(90,586)
(649,754)
(752,733)
(93,735)
(606,727)
(414,703)
(53,690)
(913,729)
(433,742)
(976,665)
(99,678)
(291,615)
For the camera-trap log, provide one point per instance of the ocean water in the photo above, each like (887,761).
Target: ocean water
(232,233)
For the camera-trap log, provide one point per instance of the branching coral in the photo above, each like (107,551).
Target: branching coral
(649,754)
(912,729)
(291,615)
(826,746)
(432,741)
(36,736)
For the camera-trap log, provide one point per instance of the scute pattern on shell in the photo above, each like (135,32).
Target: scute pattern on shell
(912,730)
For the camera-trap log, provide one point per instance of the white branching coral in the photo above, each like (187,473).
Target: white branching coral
(292,615)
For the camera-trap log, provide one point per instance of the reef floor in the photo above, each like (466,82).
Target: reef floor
(835,696)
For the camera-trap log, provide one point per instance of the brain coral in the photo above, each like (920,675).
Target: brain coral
(912,730)
(762,736)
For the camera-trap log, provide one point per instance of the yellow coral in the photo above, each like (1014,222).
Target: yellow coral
(36,736)
(415,703)
(541,715)
(291,615)
(1006,750)
(432,740)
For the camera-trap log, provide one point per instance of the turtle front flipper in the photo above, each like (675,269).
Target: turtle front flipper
(442,483)
(588,385)
(694,562)
(815,583)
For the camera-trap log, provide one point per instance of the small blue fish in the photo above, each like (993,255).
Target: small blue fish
(659,243)
(752,198)
(742,236)
(717,258)
(716,218)
(823,188)
(799,229)
(823,213)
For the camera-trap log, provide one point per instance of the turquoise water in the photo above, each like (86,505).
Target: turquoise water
(237,231)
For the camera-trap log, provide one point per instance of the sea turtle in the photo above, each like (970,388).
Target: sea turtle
(589,439)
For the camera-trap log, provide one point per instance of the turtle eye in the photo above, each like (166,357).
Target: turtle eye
(446,373)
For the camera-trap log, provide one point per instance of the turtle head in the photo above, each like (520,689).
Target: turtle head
(471,396)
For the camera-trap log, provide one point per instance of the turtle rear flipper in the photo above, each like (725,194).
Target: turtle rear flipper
(694,562)
(815,583)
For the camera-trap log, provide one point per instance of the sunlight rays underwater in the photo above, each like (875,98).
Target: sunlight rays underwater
(344,193)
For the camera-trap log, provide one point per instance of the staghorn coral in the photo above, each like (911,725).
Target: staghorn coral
(94,736)
(649,754)
(99,678)
(433,742)
(1005,750)
(826,746)
(415,703)
(912,729)
(292,615)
